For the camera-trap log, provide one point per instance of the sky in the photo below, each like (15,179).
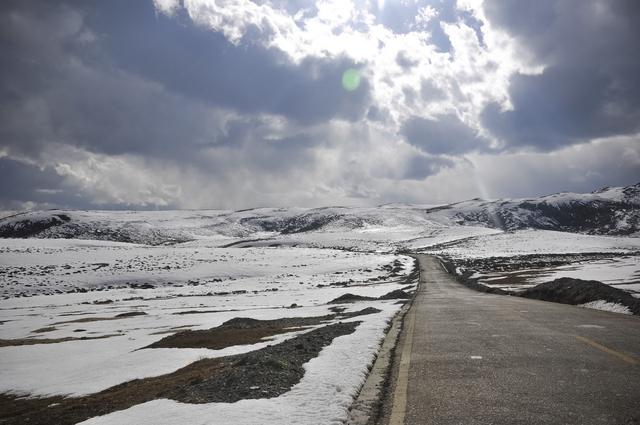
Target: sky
(228,104)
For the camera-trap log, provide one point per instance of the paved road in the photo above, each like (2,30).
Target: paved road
(473,358)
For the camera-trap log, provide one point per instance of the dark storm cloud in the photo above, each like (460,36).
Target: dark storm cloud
(590,87)
(132,106)
(203,65)
(117,77)
(23,182)
(582,168)
(444,135)
(57,86)
(562,106)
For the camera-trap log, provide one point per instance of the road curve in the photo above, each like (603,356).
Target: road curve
(467,357)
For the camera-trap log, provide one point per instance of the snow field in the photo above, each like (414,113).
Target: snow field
(270,280)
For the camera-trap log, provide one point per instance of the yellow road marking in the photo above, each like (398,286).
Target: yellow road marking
(621,356)
(399,408)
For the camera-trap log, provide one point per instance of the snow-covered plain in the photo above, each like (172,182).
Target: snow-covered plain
(70,289)
(54,266)
(254,282)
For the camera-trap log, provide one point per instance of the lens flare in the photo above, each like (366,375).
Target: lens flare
(350,79)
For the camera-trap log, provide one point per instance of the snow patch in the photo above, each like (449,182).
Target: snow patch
(607,306)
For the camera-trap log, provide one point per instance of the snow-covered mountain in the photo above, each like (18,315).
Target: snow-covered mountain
(609,211)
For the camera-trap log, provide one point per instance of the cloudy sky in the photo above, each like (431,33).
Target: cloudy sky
(241,103)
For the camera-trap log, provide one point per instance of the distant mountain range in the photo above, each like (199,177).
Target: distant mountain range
(608,211)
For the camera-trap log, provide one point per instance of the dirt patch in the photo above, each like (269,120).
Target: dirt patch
(576,291)
(414,276)
(520,271)
(172,330)
(34,341)
(99,319)
(233,332)
(350,298)
(564,290)
(398,294)
(264,373)
(45,329)
(364,311)
(245,331)
(529,261)
(241,242)
(130,314)
(200,311)
(466,278)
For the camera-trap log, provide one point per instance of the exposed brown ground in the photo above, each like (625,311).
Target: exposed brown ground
(243,331)
(45,329)
(35,341)
(239,331)
(99,319)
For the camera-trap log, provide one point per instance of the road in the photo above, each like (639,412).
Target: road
(466,357)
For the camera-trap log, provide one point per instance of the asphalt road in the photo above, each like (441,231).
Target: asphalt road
(467,357)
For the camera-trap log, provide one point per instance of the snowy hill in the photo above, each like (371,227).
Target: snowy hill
(162,227)
(609,211)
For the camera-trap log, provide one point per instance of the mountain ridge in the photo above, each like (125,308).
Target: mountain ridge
(613,211)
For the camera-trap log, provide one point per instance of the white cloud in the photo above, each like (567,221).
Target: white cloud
(472,75)
(168,7)
(424,16)
(110,179)
(337,173)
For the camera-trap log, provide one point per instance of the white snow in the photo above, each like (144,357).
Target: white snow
(266,282)
(607,306)
(49,266)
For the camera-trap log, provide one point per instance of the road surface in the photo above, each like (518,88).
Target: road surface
(467,357)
